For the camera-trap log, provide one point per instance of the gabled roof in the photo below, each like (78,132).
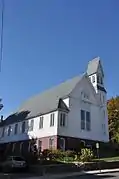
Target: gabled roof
(49,100)
(93,66)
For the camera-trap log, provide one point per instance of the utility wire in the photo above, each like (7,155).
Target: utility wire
(1,33)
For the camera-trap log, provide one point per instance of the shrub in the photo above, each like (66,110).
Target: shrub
(69,153)
(45,153)
(86,155)
(53,154)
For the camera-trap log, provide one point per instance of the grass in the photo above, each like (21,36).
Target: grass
(109,159)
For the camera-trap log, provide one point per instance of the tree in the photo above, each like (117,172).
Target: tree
(113,119)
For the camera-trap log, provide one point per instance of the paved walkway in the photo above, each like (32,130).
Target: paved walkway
(60,176)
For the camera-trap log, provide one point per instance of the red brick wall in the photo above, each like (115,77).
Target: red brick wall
(45,142)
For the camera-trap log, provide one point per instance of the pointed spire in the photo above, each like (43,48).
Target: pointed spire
(93,66)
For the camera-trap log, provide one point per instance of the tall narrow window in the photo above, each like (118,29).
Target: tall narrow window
(29,146)
(21,147)
(82,119)
(31,125)
(39,145)
(9,130)
(62,143)
(52,120)
(104,113)
(93,79)
(3,131)
(104,128)
(88,121)
(62,119)
(41,122)
(51,143)
(23,127)
(98,79)
(13,147)
(103,99)
(16,129)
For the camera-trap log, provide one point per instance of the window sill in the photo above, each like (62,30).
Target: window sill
(86,101)
(84,130)
(63,126)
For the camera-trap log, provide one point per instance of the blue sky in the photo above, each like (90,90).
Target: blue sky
(46,42)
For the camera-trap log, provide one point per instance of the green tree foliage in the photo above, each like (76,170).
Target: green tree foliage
(113,119)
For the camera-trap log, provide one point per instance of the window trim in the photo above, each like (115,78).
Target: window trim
(41,121)
(21,147)
(85,122)
(64,143)
(52,120)
(93,79)
(3,132)
(51,146)
(16,129)
(39,144)
(88,121)
(13,147)
(83,126)
(31,126)
(23,123)
(9,130)
(62,119)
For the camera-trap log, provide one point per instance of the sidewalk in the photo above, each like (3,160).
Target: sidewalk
(61,176)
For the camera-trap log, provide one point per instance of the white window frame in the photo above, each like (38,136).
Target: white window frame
(52,120)
(9,130)
(83,120)
(93,79)
(23,123)
(51,146)
(3,131)
(84,143)
(64,143)
(88,123)
(62,119)
(31,126)
(41,122)
(16,129)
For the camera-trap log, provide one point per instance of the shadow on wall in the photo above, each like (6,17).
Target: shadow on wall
(19,143)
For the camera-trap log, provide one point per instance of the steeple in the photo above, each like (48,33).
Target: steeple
(96,74)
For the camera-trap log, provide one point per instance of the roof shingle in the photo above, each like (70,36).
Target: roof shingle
(48,100)
(93,66)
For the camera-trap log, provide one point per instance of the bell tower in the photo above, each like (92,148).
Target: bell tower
(96,75)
